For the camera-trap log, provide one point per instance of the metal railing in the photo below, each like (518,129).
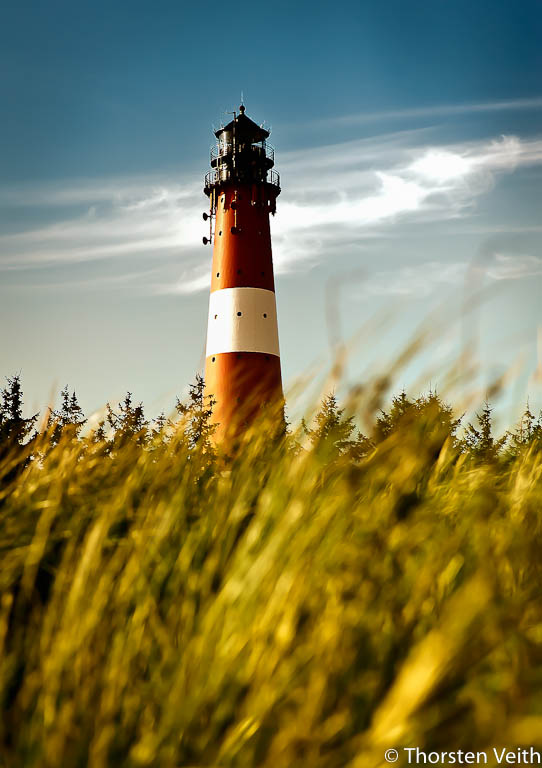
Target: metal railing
(217,175)
(211,177)
(221,150)
(273,177)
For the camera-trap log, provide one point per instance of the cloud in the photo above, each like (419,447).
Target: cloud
(334,196)
(146,219)
(420,183)
(412,281)
(81,192)
(514,267)
(440,166)
(190,281)
(423,279)
(443,110)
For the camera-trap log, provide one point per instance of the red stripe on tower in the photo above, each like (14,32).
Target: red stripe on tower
(242,365)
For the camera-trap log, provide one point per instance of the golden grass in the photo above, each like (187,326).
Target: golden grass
(279,609)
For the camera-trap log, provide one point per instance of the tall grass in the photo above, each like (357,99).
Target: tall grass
(283,607)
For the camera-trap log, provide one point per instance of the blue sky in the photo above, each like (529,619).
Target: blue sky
(409,141)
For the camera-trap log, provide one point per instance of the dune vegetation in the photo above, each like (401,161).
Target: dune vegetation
(311,598)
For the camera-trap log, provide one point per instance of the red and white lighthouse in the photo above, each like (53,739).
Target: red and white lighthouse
(242,365)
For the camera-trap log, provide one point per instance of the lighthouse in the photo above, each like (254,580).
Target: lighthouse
(242,361)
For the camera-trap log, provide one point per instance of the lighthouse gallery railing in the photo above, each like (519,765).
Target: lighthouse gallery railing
(221,150)
(223,174)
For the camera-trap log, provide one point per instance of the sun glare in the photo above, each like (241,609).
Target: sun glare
(441,166)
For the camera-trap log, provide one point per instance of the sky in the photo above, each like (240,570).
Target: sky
(408,137)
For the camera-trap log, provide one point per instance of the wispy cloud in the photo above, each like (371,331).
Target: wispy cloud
(124,190)
(514,267)
(333,195)
(192,280)
(145,219)
(428,183)
(436,110)
(425,278)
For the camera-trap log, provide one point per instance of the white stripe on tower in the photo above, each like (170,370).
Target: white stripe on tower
(242,320)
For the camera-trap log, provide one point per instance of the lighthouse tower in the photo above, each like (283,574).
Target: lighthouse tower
(242,365)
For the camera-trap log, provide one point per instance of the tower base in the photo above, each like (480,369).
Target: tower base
(244,385)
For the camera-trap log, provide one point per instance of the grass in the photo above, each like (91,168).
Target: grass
(283,608)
